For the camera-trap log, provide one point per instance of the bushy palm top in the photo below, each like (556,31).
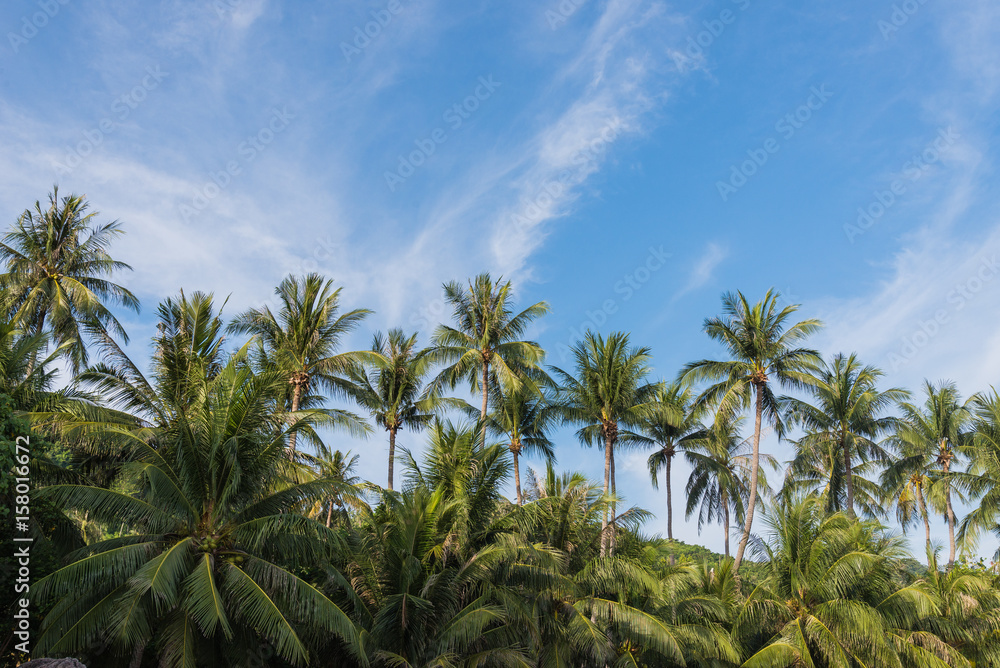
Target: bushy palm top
(931,440)
(831,600)
(59,274)
(847,418)
(486,343)
(304,337)
(208,563)
(390,386)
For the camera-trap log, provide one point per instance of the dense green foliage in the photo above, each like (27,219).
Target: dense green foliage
(187,511)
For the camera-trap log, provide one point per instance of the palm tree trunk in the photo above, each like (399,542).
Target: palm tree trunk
(39,326)
(392,454)
(486,396)
(608,446)
(951,514)
(923,514)
(725,522)
(850,476)
(612,529)
(329,514)
(296,398)
(670,503)
(517,477)
(754,466)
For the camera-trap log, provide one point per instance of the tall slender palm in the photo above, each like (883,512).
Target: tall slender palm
(906,496)
(59,274)
(931,439)
(521,417)
(983,475)
(763,347)
(485,345)
(303,338)
(390,387)
(719,485)
(673,425)
(608,396)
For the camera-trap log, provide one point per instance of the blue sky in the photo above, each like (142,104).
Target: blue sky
(627,161)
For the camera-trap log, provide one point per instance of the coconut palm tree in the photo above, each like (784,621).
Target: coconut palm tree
(982,478)
(931,440)
(340,467)
(719,485)
(521,417)
(209,562)
(848,414)
(968,617)
(906,496)
(303,337)
(608,397)
(485,345)
(565,512)
(830,594)
(764,349)
(818,468)
(27,372)
(391,387)
(187,354)
(425,599)
(673,425)
(59,275)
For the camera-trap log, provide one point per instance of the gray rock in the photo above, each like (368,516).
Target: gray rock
(53,663)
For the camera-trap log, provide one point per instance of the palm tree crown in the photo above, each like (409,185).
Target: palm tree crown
(390,387)
(486,343)
(59,274)
(211,558)
(303,338)
(847,417)
(521,416)
(719,485)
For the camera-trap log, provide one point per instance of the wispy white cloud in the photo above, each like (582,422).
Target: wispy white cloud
(704,269)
